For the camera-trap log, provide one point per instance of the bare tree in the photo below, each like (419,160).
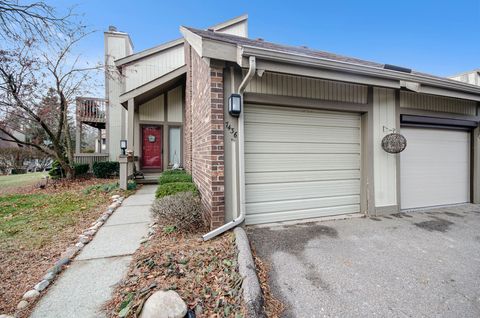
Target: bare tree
(33,20)
(30,74)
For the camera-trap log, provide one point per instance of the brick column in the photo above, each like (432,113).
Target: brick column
(204,118)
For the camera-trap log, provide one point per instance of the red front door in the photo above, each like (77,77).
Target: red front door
(152,147)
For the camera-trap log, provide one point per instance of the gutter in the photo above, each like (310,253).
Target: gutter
(241,164)
(300,59)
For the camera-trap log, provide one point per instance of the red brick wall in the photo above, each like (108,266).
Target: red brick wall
(204,101)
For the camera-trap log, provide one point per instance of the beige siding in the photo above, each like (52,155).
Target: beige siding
(116,47)
(296,86)
(385,165)
(175,105)
(152,67)
(437,103)
(239,29)
(153,110)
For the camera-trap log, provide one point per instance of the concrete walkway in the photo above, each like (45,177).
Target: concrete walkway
(87,284)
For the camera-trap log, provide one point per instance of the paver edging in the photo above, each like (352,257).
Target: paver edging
(252,292)
(69,253)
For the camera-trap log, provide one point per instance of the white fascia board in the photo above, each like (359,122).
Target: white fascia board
(193,39)
(219,50)
(153,84)
(300,59)
(140,55)
(315,72)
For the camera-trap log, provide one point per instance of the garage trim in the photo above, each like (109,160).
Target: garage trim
(365,111)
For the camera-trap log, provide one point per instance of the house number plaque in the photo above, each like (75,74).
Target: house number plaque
(394,143)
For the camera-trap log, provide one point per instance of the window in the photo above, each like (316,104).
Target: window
(174,151)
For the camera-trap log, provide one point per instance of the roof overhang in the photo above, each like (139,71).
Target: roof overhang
(140,55)
(165,46)
(154,88)
(304,65)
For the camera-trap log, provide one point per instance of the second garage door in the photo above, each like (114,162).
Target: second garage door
(300,163)
(435,167)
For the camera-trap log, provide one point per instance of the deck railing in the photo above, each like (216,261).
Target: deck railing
(91,109)
(90,158)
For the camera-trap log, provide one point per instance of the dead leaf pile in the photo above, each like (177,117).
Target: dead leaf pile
(204,274)
(272,306)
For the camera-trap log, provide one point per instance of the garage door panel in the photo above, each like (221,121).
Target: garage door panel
(298,176)
(435,168)
(279,133)
(301,147)
(300,190)
(303,118)
(307,204)
(301,214)
(300,162)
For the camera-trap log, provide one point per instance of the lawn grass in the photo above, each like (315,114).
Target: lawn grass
(19,180)
(37,225)
(32,220)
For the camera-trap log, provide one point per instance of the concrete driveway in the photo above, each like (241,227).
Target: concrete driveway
(421,264)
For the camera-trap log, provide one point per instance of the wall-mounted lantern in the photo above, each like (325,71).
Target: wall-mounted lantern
(123,146)
(235,105)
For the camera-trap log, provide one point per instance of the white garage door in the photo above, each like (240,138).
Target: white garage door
(435,167)
(300,163)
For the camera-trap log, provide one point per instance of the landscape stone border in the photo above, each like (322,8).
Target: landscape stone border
(67,256)
(252,292)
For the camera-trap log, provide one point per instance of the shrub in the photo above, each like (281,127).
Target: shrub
(182,211)
(176,177)
(57,171)
(176,187)
(81,168)
(175,171)
(19,171)
(105,169)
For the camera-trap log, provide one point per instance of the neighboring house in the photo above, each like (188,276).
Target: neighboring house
(308,142)
(8,144)
(471,77)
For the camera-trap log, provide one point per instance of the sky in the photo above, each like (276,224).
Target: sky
(433,36)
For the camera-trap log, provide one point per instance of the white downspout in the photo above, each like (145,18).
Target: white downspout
(241,162)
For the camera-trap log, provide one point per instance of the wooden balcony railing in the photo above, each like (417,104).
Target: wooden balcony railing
(91,110)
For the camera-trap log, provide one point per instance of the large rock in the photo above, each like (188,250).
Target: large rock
(164,304)
(42,285)
(31,294)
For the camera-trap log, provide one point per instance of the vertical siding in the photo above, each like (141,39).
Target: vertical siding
(385,165)
(239,29)
(175,105)
(115,49)
(437,103)
(153,110)
(154,66)
(297,86)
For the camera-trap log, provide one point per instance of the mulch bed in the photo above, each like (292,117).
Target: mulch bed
(204,274)
(23,266)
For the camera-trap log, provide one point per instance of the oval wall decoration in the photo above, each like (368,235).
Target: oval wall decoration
(394,143)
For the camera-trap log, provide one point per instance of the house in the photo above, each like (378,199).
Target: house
(308,140)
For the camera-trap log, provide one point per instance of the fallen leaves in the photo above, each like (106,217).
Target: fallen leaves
(204,274)
(272,306)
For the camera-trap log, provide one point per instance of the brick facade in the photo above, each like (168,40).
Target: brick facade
(203,138)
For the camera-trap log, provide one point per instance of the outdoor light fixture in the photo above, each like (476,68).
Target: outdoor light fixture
(235,105)
(123,146)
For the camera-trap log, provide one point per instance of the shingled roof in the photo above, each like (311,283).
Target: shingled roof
(258,43)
